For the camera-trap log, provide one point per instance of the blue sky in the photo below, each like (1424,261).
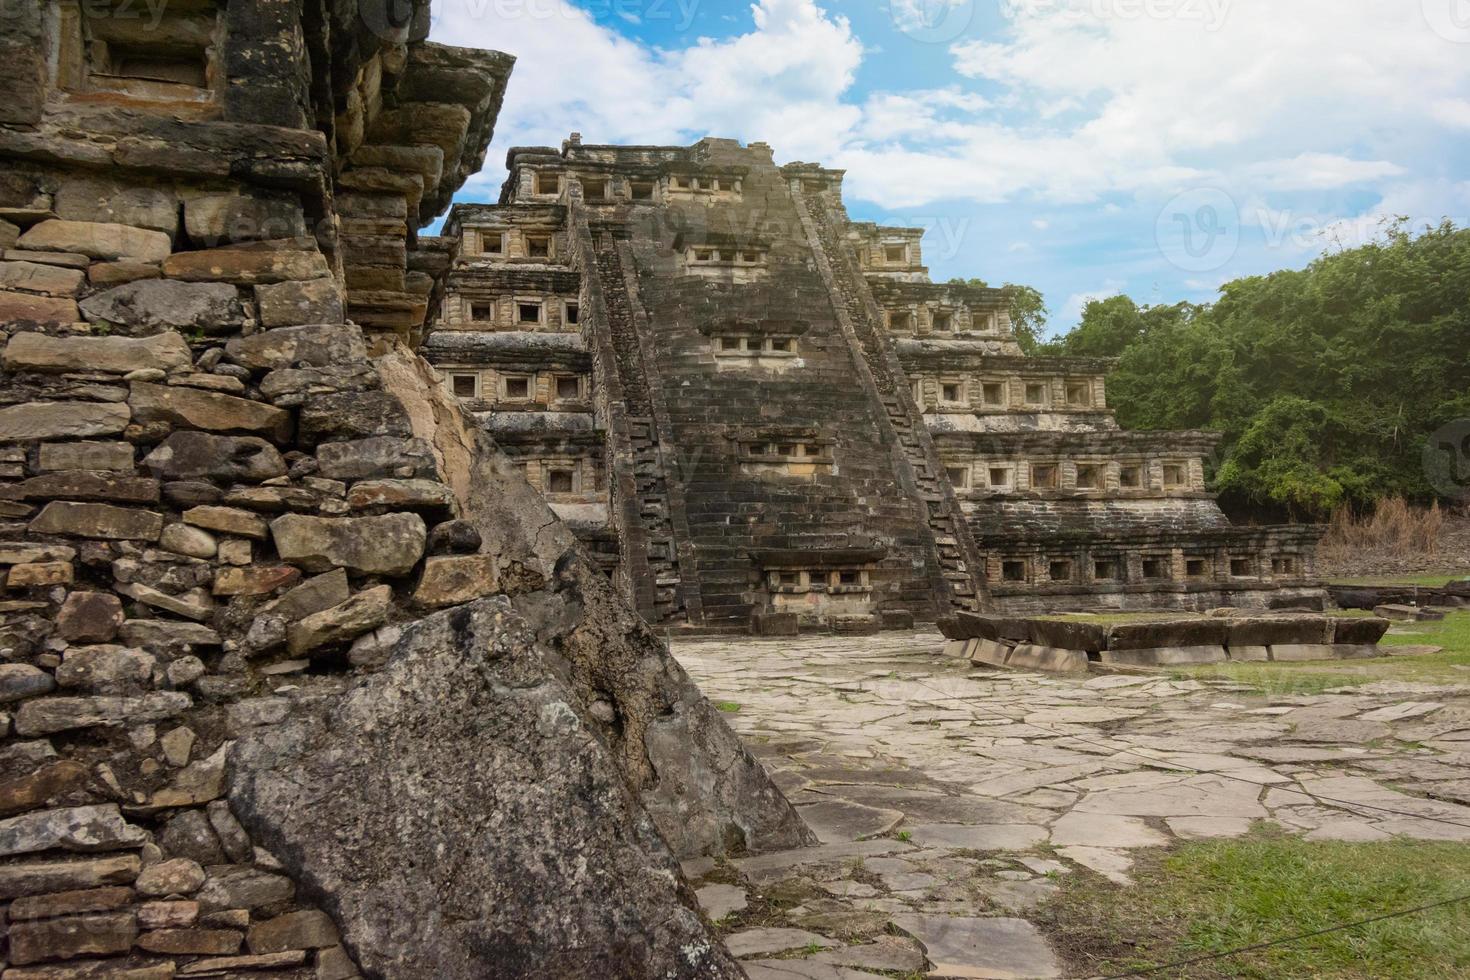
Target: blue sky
(1086,147)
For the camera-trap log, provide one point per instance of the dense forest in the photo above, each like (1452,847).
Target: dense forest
(1326,382)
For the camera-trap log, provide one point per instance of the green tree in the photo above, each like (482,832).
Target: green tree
(1325,381)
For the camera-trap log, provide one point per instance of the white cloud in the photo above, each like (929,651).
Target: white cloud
(1071,308)
(781,82)
(1212,85)
(1318,171)
(1291,108)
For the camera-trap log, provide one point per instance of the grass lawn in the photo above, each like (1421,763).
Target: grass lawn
(1433,579)
(1449,666)
(1208,897)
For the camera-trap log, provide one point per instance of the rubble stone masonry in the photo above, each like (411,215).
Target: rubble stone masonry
(299,677)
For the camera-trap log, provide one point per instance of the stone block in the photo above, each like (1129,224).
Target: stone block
(48,280)
(254,579)
(1200,632)
(116,355)
(243,887)
(1358,629)
(366,459)
(62,420)
(44,310)
(207,410)
(1356,651)
(354,415)
(106,669)
(87,199)
(105,275)
(102,521)
(20,552)
(1249,654)
(992,652)
(97,239)
(291,303)
(167,304)
(167,633)
(41,574)
(1165,656)
(216,219)
(75,935)
(765,623)
(47,716)
(21,681)
(312,596)
(168,915)
(114,457)
(189,455)
(247,265)
(387,545)
(449,580)
(856,625)
(1029,656)
(178,876)
(1271,630)
(70,903)
(66,874)
(1292,652)
(1067,635)
(197,942)
(318,345)
(971,626)
(955,648)
(400,494)
(98,827)
(194,542)
(89,617)
(310,929)
(897,619)
(367,610)
(228,520)
(1405,613)
(85,485)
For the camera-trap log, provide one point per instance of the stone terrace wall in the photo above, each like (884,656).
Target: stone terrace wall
(297,675)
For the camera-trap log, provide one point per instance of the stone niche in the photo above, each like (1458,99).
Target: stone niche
(112,50)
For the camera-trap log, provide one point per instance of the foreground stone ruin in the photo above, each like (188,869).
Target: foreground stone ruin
(760,414)
(298,676)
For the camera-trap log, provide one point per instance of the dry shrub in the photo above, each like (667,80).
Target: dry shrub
(1394,528)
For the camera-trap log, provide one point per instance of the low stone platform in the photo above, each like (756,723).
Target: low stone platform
(1075,646)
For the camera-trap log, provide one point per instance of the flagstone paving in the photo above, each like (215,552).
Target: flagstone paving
(950,799)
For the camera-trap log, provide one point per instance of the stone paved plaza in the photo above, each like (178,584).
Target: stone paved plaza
(951,799)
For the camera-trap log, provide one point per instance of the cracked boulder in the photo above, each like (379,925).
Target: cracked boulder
(561,873)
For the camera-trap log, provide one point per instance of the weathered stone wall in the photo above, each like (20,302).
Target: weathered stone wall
(297,673)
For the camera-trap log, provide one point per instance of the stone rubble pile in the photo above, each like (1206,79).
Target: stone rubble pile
(224,540)
(171,546)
